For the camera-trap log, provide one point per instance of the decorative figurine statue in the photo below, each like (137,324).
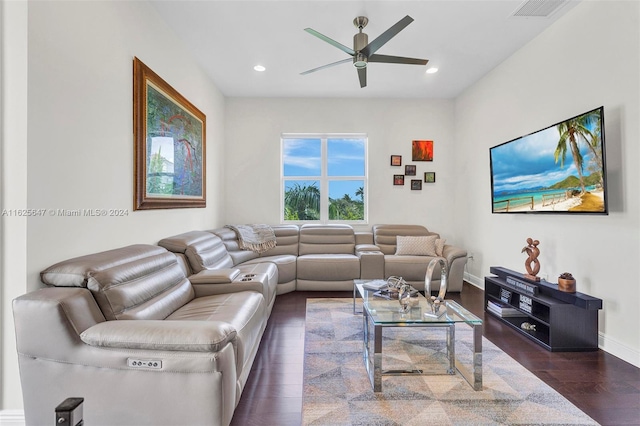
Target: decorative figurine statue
(533,251)
(404,297)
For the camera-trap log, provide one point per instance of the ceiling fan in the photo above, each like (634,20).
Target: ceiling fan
(364,52)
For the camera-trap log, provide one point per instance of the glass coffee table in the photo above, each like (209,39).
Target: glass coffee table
(378,313)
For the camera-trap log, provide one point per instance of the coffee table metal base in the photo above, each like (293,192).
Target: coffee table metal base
(373,360)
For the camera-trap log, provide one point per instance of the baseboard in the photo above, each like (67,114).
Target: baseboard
(473,280)
(607,344)
(12,418)
(619,350)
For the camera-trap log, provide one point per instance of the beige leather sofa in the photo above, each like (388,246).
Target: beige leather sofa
(413,267)
(167,334)
(317,257)
(125,330)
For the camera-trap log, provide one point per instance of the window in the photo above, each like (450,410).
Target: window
(324,178)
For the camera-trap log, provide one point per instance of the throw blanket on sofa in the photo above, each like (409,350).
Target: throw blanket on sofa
(254,237)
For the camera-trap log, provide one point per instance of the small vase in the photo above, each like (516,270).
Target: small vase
(568,286)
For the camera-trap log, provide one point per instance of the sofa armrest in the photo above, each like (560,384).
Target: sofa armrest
(456,260)
(452,253)
(191,336)
(371,264)
(215,276)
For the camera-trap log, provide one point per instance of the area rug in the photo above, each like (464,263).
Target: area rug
(337,390)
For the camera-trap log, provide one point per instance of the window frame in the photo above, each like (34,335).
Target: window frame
(324,179)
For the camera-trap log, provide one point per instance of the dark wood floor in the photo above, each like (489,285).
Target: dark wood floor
(601,385)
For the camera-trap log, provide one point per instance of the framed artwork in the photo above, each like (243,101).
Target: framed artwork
(430,177)
(416,184)
(410,170)
(422,151)
(396,160)
(398,179)
(169,137)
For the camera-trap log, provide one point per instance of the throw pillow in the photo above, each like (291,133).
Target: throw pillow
(416,246)
(440,246)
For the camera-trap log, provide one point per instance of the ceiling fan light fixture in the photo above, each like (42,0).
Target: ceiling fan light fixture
(259,68)
(432,70)
(360,61)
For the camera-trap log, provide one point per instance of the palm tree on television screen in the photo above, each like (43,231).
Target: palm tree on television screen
(571,132)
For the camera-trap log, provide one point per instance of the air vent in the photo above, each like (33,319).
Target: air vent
(538,8)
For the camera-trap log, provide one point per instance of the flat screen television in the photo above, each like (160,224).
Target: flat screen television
(559,169)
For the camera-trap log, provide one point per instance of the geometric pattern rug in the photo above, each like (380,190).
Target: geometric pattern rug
(337,390)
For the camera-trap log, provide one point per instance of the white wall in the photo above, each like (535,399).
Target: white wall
(588,58)
(253,129)
(13,193)
(79,141)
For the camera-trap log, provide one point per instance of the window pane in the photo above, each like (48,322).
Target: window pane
(345,157)
(301,200)
(346,200)
(301,157)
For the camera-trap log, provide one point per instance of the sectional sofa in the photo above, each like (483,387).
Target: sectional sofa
(167,334)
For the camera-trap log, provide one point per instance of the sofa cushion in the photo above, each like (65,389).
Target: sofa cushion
(133,282)
(287,237)
(411,268)
(326,239)
(328,267)
(244,311)
(416,246)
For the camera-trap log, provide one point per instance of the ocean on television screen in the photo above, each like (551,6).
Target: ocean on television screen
(545,200)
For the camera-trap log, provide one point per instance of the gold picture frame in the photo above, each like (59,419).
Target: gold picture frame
(169,145)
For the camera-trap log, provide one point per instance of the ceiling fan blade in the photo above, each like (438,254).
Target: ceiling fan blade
(343,61)
(383,38)
(362,75)
(397,60)
(332,42)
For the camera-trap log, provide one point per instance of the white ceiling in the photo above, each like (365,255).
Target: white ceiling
(464,39)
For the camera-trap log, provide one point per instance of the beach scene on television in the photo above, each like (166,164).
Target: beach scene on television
(558,169)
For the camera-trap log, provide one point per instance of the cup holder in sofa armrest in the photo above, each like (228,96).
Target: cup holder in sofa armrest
(251,277)
(215,276)
(159,335)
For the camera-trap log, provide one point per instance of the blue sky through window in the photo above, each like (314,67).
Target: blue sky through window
(345,157)
(302,157)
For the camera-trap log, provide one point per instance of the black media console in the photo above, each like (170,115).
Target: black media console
(557,320)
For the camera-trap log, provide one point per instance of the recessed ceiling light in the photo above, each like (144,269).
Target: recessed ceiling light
(259,68)
(432,70)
